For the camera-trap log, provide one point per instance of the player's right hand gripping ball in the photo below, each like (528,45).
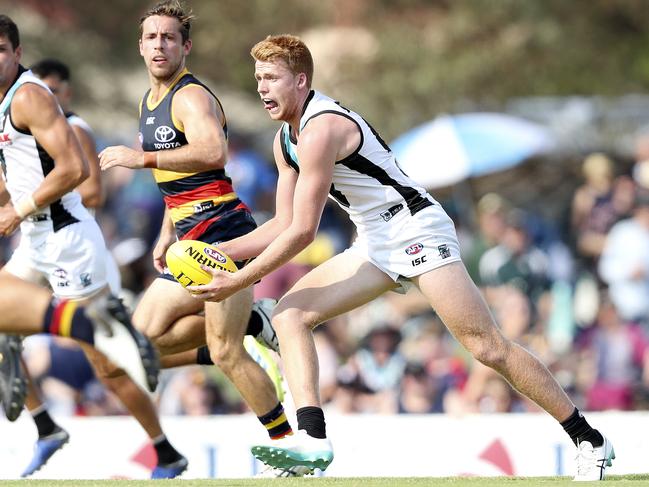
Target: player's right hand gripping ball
(185,257)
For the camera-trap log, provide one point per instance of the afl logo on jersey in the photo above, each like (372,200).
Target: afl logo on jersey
(164,134)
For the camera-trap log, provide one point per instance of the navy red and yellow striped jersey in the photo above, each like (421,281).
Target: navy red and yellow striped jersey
(194,200)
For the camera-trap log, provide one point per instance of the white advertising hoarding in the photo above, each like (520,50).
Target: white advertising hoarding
(365,445)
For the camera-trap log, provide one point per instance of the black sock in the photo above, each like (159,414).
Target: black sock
(311,419)
(45,425)
(579,430)
(254,324)
(203,356)
(166,453)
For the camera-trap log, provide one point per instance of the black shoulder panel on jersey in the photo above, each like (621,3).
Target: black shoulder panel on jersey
(353,154)
(283,140)
(415,201)
(61,217)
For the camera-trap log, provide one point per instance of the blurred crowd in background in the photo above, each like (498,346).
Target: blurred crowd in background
(573,290)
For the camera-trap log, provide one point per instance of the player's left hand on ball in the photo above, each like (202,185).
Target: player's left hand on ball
(120,155)
(222,286)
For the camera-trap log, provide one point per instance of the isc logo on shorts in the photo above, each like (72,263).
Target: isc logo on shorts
(414,249)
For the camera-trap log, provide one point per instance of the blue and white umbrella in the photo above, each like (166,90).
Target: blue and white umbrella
(455,147)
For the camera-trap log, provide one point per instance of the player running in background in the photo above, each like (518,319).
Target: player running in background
(36,195)
(51,436)
(183,134)
(404,239)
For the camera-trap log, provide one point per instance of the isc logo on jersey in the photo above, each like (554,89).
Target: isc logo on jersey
(185,258)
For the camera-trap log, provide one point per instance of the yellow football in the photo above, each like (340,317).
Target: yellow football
(185,257)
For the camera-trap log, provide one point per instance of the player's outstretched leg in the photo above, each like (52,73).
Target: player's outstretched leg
(13,386)
(115,337)
(104,324)
(170,462)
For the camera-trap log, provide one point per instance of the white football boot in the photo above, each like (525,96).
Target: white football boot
(267,336)
(592,461)
(115,337)
(294,450)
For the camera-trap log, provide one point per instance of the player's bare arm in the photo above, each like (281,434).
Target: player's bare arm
(34,109)
(254,243)
(165,239)
(200,117)
(319,147)
(91,190)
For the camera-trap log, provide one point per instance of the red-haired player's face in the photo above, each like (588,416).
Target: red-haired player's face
(162,46)
(279,89)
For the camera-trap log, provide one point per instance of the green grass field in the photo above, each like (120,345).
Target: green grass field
(622,480)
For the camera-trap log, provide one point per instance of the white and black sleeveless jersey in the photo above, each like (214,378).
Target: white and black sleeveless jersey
(368,184)
(25,163)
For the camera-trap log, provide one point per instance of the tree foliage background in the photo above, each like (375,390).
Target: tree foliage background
(399,62)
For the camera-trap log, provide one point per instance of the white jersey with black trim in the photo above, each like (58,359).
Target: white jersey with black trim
(25,163)
(368,184)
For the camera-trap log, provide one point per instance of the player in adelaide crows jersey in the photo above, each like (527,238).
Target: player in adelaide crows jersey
(183,135)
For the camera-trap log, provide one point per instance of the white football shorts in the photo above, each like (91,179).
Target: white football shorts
(409,245)
(72,260)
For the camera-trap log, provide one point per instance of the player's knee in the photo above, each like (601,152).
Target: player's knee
(285,319)
(107,370)
(102,367)
(225,354)
(150,327)
(142,322)
(491,352)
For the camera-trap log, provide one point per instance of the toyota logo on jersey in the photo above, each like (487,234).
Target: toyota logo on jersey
(164,133)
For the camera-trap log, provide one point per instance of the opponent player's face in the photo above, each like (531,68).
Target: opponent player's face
(60,89)
(162,46)
(279,89)
(9,60)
